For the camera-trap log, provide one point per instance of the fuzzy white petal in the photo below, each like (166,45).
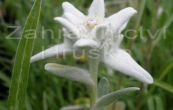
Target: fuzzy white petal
(69,37)
(82,43)
(72,73)
(97,9)
(121,61)
(67,25)
(119,20)
(69,8)
(123,27)
(119,39)
(57,50)
(72,18)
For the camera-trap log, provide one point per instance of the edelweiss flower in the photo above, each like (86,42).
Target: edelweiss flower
(96,31)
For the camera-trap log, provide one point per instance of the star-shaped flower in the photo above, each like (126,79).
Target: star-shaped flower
(98,32)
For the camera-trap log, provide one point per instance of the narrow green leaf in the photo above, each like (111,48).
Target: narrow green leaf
(20,72)
(2,105)
(164,86)
(150,103)
(166,70)
(45,105)
(131,105)
(5,79)
(155,103)
(103,87)
(163,30)
(72,73)
(110,98)
(159,103)
(28,103)
(141,13)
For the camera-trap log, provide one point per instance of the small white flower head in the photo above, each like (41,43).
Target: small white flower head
(94,30)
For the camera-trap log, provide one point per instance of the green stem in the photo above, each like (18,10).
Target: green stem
(93,68)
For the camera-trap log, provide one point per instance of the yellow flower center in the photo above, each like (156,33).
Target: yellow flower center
(91,23)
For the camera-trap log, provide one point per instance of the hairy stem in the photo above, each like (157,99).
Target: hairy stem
(93,68)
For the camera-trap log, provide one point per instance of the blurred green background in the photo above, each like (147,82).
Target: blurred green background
(149,40)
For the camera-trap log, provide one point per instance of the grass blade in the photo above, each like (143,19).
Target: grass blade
(164,86)
(20,72)
(151,103)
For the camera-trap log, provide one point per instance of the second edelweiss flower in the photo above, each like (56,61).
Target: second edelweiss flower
(97,31)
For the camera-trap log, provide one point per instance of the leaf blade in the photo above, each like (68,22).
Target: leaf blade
(72,73)
(164,86)
(103,87)
(109,98)
(21,67)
